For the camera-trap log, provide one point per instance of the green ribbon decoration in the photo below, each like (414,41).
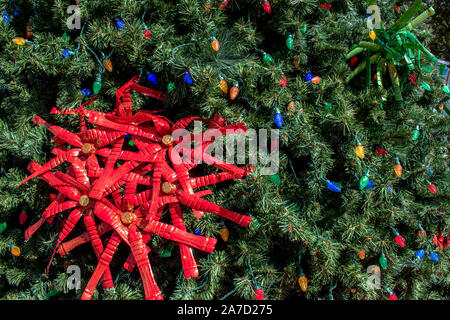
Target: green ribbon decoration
(395,49)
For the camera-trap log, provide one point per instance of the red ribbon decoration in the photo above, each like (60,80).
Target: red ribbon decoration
(103,178)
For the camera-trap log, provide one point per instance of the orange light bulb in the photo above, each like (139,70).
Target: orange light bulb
(234,91)
(361,254)
(223,86)
(360,151)
(398,170)
(15,251)
(215,44)
(303,283)
(208,6)
(372,35)
(315,80)
(108,65)
(224,233)
(291,107)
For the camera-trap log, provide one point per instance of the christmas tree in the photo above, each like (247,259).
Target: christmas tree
(355,209)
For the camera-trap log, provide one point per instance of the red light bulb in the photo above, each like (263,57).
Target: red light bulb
(283,80)
(400,240)
(435,239)
(441,242)
(392,296)
(223,4)
(266,6)
(23,217)
(147,33)
(432,188)
(381,152)
(259,293)
(353,61)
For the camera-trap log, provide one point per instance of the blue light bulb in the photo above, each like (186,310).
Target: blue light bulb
(187,77)
(333,186)
(278,118)
(86,92)
(152,78)
(434,256)
(309,77)
(120,24)
(16,12)
(197,232)
(430,171)
(127,136)
(5,17)
(67,53)
(420,254)
(370,184)
(389,189)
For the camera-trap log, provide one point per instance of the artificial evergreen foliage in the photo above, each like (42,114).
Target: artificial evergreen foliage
(304,228)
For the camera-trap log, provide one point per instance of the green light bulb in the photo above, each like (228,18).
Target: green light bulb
(97,84)
(65,36)
(170,86)
(416,133)
(426,86)
(131,143)
(52,293)
(328,106)
(267,58)
(3,227)
(290,41)
(364,181)
(275,179)
(304,27)
(383,261)
(254,224)
(165,253)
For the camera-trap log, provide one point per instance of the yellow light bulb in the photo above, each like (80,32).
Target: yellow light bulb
(19,41)
(15,251)
(303,283)
(372,35)
(398,170)
(360,151)
(223,86)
